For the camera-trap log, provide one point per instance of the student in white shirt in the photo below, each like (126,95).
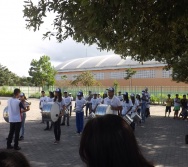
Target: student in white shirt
(14,120)
(113,101)
(43,100)
(79,105)
(135,103)
(94,102)
(127,104)
(67,101)
(57,125)
(70,95)
(99,98)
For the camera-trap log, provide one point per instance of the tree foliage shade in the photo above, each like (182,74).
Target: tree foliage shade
(129,73)
(11,79)
(42,72)
(86,79)
(144,30)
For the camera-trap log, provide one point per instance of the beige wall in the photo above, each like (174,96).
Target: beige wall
(158,80)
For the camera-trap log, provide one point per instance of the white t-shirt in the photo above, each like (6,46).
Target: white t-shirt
(14,110)
(79,104)
(43,100)
(136,104)
(50,99)
(71,100)
(177,102)
(140,103)
(67,101)
(126,106)
(100,99)
(94,103)
(61,104)
(115,102)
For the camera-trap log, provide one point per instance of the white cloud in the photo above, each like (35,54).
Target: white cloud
(19,46)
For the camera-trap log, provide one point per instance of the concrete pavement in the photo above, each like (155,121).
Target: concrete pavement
(162,140)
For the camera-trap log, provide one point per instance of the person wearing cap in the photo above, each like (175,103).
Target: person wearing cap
(105,95)
(147,94)
(43,100)
(79,105)
(135,103)
(70,95)
(24,107)
(169,102)
(139,101)
(113,101)
(57,125)
(94,102)
(67,100)
(99,98)
(127,104)
(88,105)
(177,103)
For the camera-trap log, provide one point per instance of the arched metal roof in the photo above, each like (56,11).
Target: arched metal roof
(102,62)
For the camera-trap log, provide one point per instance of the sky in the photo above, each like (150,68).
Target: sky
(18,46)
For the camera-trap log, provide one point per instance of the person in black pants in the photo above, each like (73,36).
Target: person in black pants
(88,104)
(57,125)
(14,120)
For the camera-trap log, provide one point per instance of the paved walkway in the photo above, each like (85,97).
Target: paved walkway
(162,140)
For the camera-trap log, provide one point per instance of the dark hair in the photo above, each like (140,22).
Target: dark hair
(42,91)
(58,97)
(126,98)
(133,99)
(138,97)
(16,91)
(11,158)
(104,96)
(108,141)
(51,94)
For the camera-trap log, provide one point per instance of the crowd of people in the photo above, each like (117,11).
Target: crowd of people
(116,144)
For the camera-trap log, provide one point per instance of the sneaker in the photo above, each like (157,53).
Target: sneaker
(68,125)
(17,148)
(10,147)
(46,129)
(21,138)
(55,142)
(63,124)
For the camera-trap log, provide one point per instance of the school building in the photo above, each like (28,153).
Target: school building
(110,68)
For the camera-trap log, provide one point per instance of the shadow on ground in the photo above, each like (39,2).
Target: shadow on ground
(162,140)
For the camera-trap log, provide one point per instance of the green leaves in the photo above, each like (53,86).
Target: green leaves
(85,78)
(144,30)
(42,72)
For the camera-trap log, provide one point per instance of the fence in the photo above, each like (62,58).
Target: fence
(159,92)
(26,89)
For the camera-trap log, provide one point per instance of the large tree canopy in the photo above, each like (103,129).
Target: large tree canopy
(42,72)
(142,29)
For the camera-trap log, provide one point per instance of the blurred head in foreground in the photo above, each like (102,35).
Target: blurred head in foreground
(11,158)
(108,141)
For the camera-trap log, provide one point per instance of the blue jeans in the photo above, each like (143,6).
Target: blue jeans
(143,112)
(79,121)
(22,130)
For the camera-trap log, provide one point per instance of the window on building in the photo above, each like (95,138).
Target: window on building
(145,74)
(98,76)
(58,77)
(118,75)
(166,74)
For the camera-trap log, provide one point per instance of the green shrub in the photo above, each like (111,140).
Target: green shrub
(35,95)
(5,92)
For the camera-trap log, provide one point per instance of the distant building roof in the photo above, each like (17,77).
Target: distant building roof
(103,62)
